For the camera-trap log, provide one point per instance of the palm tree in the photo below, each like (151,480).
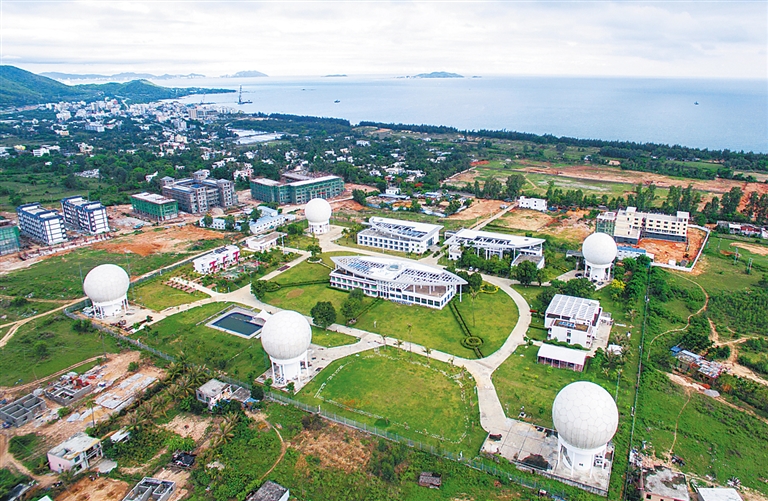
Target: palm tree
(175,369)
(399,343)
(198,374)
(428,351)
(185,386)
(226,430)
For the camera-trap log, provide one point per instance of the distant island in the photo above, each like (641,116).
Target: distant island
(246,74)
(438,74)
(117,76)
(21,88)
(334,76)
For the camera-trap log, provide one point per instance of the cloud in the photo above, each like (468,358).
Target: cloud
(392,37)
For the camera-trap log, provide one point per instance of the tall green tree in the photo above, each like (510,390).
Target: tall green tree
(323,314)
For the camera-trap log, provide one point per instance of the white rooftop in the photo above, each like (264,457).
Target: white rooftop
(489,237)
(719,494)
(410,230)
(563,354)
(212,388)
(396,270)
(573,307)
(74,445)
(152,197)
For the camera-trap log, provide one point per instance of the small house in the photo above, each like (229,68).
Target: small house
(431,480)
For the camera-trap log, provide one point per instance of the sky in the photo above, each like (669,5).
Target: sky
(678,39)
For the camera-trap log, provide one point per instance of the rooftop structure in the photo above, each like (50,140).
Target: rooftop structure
(586,419)
(431,480)
(22,410)
(263,243)
(215,391)
(399,235)
(68,389)
(217,260)
(269,491)
(151,489)
(718,494)
(664,484)
(494,244)
(572,319)
(199,195)
(318,214)
(296,192)
(397,280)
(539,204)
(43,225)
(154,207)
(9,237)
(629,226)
(692,362)
(107,287)
(599,251)
(561,357)
(269,220)
(286,337)
(76,453)
(85,215)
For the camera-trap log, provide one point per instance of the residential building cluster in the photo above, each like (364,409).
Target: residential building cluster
(199,194)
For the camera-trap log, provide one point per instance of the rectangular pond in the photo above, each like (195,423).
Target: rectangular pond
(239,323)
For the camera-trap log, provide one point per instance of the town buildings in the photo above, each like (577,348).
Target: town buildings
(397,235)
(269,220)
(628,225)
(396,280)
(573,320)
(154,207)
(75,454)
(217,260)
(42,225)
(199,194)
(297,189)
(151,489)
(9,237)
(539,204)
(84,215)
(22,410)
(496,244)
(663,484)
(215,391)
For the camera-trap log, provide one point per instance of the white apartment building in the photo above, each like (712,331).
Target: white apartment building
(85,215)
(539,204)
(43,225)
(397,235)
(263,243)
(573,320)
(496,244)
(628,226)
(217,260)
(76,453)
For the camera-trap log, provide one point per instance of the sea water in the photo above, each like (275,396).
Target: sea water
(730,114)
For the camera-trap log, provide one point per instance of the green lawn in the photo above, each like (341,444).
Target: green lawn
(65,347)
(717,271)
(712,438)
(186,332)
(354,387)
(331,339)
(9,313)
(157,296)
(59,277)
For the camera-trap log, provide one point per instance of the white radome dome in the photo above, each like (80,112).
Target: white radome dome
(317,210)
(599,249)
(286,335)
(106,283)
(585,415)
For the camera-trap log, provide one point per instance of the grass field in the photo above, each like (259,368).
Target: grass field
(716,270)
(712,438)
(186,332)
(48,191)
(354,387)
(331,339)
(59,277)
(20,360)
(157,296)
(10,313)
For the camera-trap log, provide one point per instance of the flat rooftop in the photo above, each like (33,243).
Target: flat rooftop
(574,307)
(152,198)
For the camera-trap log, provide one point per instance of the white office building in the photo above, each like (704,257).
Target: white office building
(539,204)
(84,215)
(491,244)
(269,220)
(396,280)
(263,243)
(628,226)
(217,260)
(43,225)
(573,320)
(397,235)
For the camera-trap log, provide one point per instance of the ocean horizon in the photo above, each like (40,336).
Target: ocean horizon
(701,113)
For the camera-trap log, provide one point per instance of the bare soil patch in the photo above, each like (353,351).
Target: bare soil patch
(189,426)
(347,205)
(294,293)
(665,251)
(760,250)
(335,446)
(479,208)
(99,489)
(525,219)
(173,239)
(181,477)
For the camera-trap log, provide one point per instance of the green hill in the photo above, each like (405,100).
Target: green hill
(19,87)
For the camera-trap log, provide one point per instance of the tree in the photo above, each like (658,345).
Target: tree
(245,227)
(314,249)
(359,196)
(229,223)
(40,349)
(259,288)
(207,220)
(323,314)
(475,281)
(415,206)
(255,214)
(525,273)
(515,183)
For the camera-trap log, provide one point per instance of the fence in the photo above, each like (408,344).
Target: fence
(435,451)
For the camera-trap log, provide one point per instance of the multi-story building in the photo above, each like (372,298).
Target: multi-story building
(573,320)
(9,237)
(75,454)
(539,204)
(217,260)
(85,215)
(397,235)
(43,225)
(496,244)
(198,195)
(154,207)
(629,226)
(299,191)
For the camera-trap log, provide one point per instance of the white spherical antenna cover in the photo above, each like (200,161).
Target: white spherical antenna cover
(317,210)
(599,249)
(105,283)
(286,335)
(585,415)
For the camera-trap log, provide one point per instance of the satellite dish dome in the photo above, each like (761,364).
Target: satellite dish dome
(599,249)
(585,415)
(286,335)
(317,210)
(106,283)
